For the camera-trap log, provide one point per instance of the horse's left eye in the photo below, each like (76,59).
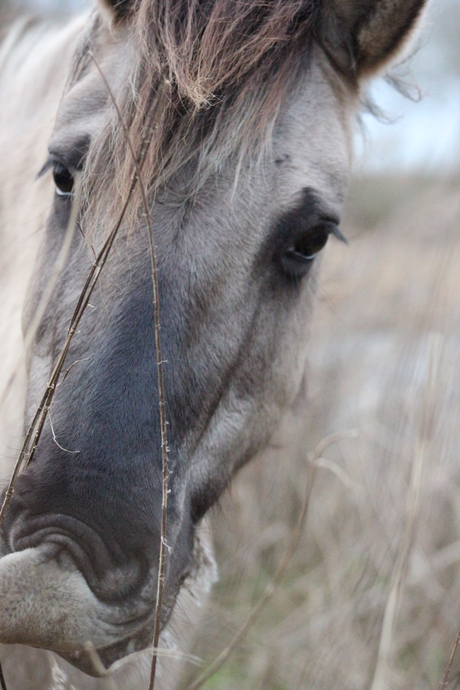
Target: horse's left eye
(63,179)
(311,243)
(298,258)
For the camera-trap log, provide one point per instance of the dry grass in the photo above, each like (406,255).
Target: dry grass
(385,511)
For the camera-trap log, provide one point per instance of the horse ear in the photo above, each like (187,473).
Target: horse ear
(364,35)
(116,10)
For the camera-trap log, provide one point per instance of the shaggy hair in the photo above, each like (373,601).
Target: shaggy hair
(207,83)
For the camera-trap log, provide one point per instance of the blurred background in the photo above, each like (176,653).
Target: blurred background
(371,598)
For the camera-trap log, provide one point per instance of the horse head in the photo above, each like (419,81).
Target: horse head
(222,131)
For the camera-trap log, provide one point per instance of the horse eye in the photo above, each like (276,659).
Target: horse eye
(298,258)
(310,244)
(63,179)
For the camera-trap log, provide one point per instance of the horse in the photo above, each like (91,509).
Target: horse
(191,157)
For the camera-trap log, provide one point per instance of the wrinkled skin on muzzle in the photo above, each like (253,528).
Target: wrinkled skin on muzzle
(238,264)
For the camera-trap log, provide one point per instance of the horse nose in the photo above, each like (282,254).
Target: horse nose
(110,574)
(46,603)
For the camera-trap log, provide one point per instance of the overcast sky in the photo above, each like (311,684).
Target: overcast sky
(424,134)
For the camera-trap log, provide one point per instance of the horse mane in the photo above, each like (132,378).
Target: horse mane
(207,82)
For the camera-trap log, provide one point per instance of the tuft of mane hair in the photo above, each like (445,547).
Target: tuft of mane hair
(207,82)
(208,77)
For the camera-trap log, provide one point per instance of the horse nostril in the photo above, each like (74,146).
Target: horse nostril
(74,543)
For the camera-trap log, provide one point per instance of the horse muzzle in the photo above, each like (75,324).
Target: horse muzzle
(47,603)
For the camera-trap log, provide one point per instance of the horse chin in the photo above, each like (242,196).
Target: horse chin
(108,660)
(47,603)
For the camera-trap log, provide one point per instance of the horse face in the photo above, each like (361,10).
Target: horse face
(238,261)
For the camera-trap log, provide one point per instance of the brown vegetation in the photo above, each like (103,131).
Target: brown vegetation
(385,511)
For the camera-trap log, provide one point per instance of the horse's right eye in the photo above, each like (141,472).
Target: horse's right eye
(63,179)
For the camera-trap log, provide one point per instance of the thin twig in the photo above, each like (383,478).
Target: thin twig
(161,385)
(2,678)
(272,586)
(164,455)
(444,682)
